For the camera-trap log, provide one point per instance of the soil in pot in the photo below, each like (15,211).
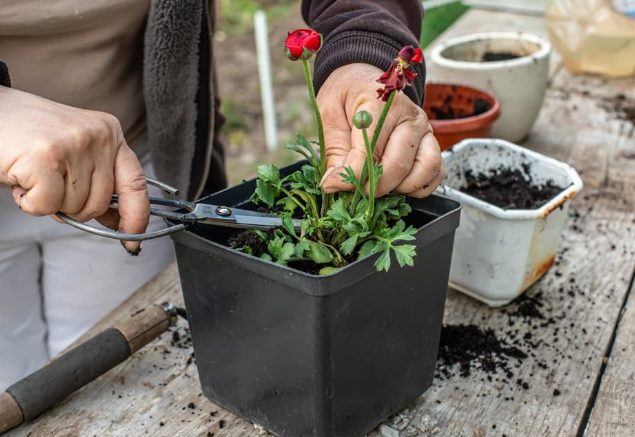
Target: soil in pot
(448,111)
(509,188)
(499,56)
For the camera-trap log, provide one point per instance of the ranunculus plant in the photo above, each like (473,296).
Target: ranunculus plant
(336,229)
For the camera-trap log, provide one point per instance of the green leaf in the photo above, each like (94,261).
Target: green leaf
(348,246)
(287,224)
(328,270)
(338,212)
(383,262)
(295,148)
(319,253)
(280,250)
(367,248)
(302,141)
(265,192)
(315,251)
(350,178)
(404,254)
(269,173)
(288,204)
(245,249)
(300,248)
(266,256)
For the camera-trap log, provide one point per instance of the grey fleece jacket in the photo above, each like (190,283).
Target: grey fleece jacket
(180,90)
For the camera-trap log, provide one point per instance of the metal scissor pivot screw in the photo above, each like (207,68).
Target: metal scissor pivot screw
(223,211)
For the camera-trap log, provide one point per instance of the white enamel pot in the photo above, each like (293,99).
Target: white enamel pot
(500,253)
(519,84)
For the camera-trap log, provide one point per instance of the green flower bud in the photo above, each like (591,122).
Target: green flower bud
(362,120)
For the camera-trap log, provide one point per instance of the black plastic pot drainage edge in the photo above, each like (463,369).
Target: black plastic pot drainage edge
(584,423)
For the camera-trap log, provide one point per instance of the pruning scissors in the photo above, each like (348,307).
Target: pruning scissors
(217,215)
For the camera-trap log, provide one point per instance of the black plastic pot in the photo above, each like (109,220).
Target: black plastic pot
(322,356)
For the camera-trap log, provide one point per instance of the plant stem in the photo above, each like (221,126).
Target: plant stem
(373,143)
(380,122)
(326,198)
(318,117)
(371,176)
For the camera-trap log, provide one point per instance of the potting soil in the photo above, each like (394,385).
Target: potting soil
(509,189)
(498,56)
(449,112)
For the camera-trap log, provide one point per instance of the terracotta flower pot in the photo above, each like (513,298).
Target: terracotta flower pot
(451,108)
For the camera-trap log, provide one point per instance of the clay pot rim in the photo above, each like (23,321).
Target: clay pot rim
(543,51)
(467,123)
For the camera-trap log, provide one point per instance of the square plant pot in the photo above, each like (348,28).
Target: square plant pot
(306,355)
(500,253)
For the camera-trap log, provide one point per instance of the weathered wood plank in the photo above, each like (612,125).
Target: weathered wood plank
(613,413)
(594,269)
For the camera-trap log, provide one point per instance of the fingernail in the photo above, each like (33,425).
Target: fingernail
(328,172)
(131,252)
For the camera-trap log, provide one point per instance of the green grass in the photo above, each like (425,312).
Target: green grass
(437,20)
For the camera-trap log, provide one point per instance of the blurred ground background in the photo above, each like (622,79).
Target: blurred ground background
(237,69)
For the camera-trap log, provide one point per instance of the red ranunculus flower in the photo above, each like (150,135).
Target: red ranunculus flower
(302,44)
(398,75)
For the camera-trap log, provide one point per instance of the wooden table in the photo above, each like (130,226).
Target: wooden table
(589,345)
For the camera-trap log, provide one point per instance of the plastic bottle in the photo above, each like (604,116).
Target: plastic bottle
(594,36)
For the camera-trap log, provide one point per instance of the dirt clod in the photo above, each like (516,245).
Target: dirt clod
(472,347)
(509,189)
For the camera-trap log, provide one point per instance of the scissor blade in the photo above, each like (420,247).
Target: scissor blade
(238,218)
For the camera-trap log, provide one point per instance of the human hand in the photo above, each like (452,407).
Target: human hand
(62,159)
(406,148)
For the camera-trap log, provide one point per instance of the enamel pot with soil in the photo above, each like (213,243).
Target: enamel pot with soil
(515,204)
(513,66)
(458,112)
(308,355)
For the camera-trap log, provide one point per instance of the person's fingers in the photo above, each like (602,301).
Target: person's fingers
(427,166)
(398,157)
(429,187)
(77,185)
(110,219)
(337,135)
(38,189)
(98,198)
(130,185)
(353,143)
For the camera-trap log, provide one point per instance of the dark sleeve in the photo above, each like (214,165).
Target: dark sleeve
(367,31)
(5,80)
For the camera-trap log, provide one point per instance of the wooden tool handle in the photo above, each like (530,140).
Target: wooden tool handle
(29,397)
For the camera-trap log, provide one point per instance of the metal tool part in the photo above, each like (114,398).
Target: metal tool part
(200,213)
(31,396)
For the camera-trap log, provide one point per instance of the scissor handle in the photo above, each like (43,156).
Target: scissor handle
(109,233)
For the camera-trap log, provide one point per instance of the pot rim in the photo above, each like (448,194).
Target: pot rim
(470,123)
(513,214)
(543,51)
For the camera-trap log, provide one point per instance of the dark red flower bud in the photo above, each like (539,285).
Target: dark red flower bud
(410,55)
(302,44)
(398,75)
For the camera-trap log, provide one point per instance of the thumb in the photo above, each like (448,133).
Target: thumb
(134,205)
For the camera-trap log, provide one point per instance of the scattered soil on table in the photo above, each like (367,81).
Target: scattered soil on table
(449,112)
(472,347)
(499,56)
(509,189)
(621,107)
